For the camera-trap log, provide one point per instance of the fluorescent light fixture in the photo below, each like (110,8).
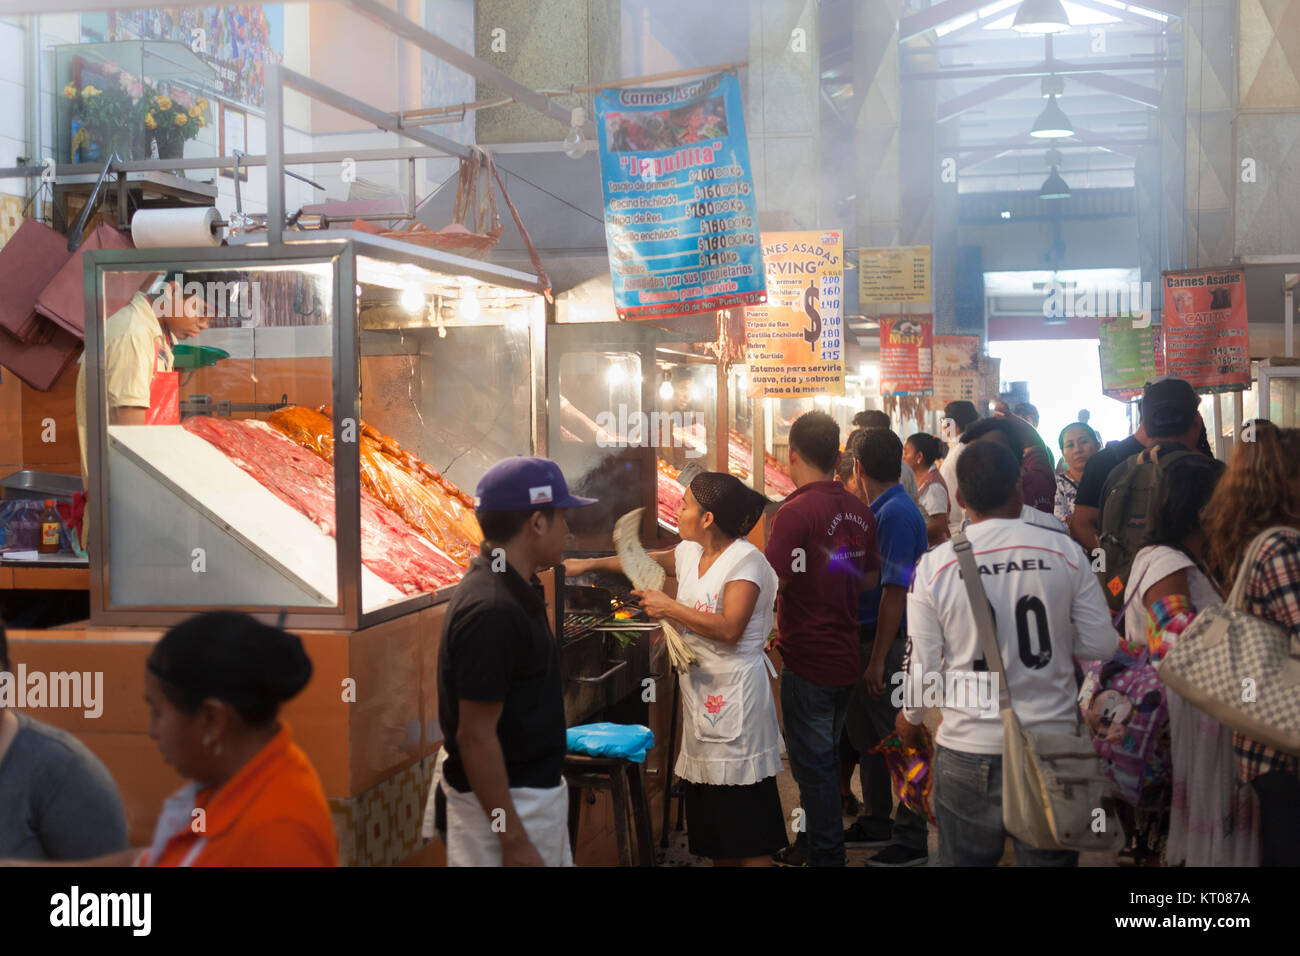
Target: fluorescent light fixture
(1052,123)
(1041,16)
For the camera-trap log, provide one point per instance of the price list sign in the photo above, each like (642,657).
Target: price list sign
(894,274)
(1130,357)
(906,367)
(796,340)
(1205,337)
(681,221)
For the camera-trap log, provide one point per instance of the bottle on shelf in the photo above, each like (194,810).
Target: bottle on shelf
(51,529)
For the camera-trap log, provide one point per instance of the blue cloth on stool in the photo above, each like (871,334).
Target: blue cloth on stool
(630,741)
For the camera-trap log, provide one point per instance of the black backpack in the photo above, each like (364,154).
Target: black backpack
(1128,498)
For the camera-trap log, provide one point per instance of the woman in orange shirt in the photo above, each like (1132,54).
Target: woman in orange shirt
(214,685)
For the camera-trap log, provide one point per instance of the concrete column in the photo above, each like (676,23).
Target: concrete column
(1267,128)
(1211,108)
(783,112)
(548,44)
(876,77)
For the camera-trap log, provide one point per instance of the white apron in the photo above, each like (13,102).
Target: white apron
(730,733)
(470,839)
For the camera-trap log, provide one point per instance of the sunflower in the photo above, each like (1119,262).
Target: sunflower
(181,119)
(164,103)
(149,121)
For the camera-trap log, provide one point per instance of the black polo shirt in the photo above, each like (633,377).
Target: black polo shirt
(1099,467)
(497,645)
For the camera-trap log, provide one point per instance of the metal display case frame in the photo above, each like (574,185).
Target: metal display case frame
(340,250)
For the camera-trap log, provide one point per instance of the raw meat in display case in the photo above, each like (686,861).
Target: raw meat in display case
(306,482)
(429,503)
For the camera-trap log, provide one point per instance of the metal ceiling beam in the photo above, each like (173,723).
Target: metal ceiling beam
(14,7)
(465,62)
(936,16)
(989,91)
(1135,92)
(388,122)
(1048,67)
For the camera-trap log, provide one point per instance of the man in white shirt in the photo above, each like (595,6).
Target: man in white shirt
(957,417)
(1048,610)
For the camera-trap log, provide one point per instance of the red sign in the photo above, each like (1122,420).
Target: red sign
(905,355)
(1204,324)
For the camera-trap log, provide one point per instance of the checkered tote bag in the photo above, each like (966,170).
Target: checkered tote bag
(1241,670)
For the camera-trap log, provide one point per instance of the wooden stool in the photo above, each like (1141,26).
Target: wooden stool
(623,779)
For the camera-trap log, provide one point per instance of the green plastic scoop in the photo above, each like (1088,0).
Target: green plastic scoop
(190,357)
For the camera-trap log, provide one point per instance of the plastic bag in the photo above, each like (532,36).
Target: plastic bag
(910,771)
(630,741)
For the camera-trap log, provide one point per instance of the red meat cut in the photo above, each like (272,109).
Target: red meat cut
(305,482)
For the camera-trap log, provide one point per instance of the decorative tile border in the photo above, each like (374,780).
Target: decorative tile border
(381,827)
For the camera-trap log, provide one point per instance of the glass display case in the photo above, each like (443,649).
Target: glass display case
(136,98)
(313,450)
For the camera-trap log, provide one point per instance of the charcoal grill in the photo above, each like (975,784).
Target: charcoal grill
(598,672)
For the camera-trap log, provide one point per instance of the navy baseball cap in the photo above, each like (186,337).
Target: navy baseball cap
(1169,407)
(520,484)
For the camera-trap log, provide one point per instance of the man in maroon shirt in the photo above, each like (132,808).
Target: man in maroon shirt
(823,549)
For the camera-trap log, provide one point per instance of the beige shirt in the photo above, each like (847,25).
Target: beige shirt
(133,340)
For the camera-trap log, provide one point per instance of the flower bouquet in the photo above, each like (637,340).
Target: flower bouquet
(107,120)
(174,120)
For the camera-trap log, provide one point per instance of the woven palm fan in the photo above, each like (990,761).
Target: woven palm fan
(646,574)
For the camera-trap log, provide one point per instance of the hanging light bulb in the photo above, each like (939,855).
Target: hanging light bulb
(1054,187)
(412,299)
(666,390)
(1041,16)
(575,147)
(1052,123)
(470,309)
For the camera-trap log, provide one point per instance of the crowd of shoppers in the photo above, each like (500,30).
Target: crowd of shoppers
(859,580)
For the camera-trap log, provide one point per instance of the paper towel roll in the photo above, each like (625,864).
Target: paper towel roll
(185,226)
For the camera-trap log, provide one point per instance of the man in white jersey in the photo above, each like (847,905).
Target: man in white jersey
(1048,609)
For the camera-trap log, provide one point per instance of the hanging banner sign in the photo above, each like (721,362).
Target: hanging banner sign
(894,274)
(905,362)
(681,221)
(796,340)
(1205,336)
(1130,357)
(956,363)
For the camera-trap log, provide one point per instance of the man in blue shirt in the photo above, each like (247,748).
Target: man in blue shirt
(882,633)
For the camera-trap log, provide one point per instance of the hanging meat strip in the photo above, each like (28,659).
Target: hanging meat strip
(427,502)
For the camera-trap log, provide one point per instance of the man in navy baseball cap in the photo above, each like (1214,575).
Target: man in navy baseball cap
(500,693)
(522,484)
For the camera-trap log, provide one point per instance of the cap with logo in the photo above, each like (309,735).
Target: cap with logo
(520,484)
(1169,407)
